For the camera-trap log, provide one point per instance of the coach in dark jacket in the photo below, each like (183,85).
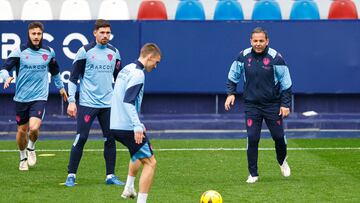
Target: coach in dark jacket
(267,95)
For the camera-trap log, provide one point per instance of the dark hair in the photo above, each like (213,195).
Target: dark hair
(260,30)
(36,24)
(150,48)
(101,23)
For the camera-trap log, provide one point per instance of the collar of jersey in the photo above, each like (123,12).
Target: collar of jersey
(139,65)
(256,55)
(100,46)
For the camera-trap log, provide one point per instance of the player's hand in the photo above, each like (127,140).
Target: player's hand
(139,137)
(284,112)
(64,94)
(230,100)
(71,110)
(7,82)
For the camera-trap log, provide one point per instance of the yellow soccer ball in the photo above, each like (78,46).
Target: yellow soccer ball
(211,196)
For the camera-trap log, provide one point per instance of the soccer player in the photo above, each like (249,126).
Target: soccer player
(267,96)
(95,64)
(32,61)
(125,124)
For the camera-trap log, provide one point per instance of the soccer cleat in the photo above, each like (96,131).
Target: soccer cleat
(31,156)
(252,179)
(285,169)
(70,181)
(129,192)
(114,180)
(23,166)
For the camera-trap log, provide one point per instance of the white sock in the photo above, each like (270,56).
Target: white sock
(31,145)
(72,175)
(142,197)
(22,154)
(130,181)
(109,176)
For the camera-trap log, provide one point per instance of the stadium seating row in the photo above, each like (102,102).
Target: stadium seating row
(178,9)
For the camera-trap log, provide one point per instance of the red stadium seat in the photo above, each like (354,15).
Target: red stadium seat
(343,9)
(152,10)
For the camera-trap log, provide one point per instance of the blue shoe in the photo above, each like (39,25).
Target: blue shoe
(70,181)
(114,180)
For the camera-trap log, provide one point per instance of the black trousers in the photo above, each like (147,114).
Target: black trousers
(254,116)
(85,118)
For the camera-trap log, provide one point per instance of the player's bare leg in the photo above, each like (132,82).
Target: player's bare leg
(34,126)
(146,179)
(21,141)
(129,189)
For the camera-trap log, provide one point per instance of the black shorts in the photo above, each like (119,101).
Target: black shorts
(137,151)
(26,110)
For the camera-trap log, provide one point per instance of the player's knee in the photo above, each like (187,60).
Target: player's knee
(82,140)
(109,142)
(253,142)
(22,130)
(34,128)
(151,162)
(279,141)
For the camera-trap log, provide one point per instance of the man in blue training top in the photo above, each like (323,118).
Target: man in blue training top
(267,96)
(32,61)
(125,124)
(95,64)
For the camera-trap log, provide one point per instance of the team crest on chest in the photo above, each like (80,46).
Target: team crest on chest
(110,57)
(266,61)
(45,57)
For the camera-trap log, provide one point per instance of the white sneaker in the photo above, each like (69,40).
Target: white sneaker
(252,179)
(128,193)
(23,166)
(285,169)
(31,157)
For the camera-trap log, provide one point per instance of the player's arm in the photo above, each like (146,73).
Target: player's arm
(118,65)
(234,75)
(55,74)
(12,61)
(131,95)
(78,70)
(282,75)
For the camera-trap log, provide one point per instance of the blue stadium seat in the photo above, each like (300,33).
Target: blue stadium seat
(190,10)
(228,10)
(304,10)
(266,10)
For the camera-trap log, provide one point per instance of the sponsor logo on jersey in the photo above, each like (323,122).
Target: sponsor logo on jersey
(35,67)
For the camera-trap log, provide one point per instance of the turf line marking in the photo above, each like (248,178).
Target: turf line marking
(197,149)
(178,131)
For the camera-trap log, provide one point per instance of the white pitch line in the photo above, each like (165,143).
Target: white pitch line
(197,149)
(199,131)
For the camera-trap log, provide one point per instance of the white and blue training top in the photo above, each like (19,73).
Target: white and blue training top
(95,65)
(126,102)
(32,67)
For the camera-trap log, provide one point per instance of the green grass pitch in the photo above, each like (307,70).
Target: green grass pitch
(329,173)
